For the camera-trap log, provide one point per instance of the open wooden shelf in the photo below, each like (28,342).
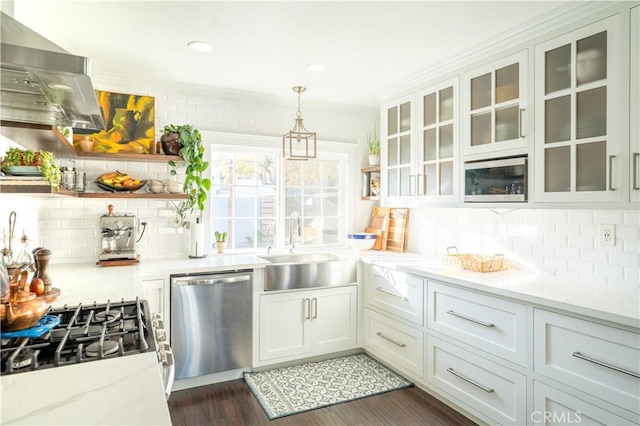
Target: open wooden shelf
(158,158)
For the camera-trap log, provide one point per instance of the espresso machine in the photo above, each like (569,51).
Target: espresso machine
(119,236)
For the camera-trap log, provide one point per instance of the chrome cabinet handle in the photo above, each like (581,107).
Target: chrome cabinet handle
(314,307)
(307,308)
(380,289)
(611,188)
(605,364)
(421,184)
(482,323)
(635,171)
(468,380)
(379,334)
(520,122)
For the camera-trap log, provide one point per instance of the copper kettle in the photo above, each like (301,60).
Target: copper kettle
(21,309)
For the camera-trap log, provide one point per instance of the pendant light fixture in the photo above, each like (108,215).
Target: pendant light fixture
(299,143)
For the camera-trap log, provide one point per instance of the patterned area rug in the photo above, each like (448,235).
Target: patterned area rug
(305,387)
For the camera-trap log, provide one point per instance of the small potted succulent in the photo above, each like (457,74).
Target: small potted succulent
(44,162)
(373,142)
(221,241)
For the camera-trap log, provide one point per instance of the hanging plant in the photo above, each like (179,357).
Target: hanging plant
(45,161)
(195,185)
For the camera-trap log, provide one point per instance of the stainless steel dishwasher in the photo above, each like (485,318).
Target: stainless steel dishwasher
(211,322)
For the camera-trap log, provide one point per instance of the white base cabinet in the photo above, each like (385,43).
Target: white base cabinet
(495,391)
(554,407)
(307,323)
(394,342)
(156,293)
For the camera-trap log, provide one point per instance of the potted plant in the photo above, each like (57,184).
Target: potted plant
(43,161)
(195,185)
(374,148)
(221,241)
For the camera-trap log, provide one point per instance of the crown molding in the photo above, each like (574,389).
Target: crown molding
(561,16)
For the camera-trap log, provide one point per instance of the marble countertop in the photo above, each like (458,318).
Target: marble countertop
(77,394)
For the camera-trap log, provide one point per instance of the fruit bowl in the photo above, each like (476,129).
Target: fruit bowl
(361,240)
(121,188)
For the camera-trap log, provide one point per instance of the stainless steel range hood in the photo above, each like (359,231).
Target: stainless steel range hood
(41,83)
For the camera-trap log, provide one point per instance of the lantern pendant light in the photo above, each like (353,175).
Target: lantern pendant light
(299,143)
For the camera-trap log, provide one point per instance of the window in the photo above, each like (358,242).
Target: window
(254,193)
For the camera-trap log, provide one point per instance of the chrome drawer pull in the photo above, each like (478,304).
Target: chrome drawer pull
(466,379)
(391,293)
(604,364)
(307,308)
(485,324)
(402,345)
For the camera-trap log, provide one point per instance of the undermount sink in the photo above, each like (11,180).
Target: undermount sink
(308,270)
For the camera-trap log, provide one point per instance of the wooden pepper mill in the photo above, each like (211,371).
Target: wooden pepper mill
(42,257)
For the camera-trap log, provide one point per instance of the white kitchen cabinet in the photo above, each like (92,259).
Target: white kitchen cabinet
(634,91)
(437,159)
(493,390)
(396,343)
(156,293)
(397,152)
(495,107)
(579,154)
(395,293)
(494,325)
(554,407)
(594,358)
(305,323)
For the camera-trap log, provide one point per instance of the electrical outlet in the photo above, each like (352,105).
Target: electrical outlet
(607,235)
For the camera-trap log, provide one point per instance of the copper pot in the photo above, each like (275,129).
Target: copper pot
(21,309)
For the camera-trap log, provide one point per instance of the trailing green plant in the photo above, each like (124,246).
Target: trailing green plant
(374,142)
(195,185)
(45,161)
(221,237)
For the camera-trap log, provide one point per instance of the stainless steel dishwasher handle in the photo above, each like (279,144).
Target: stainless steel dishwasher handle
(213,281)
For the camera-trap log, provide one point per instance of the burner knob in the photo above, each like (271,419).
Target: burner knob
(161,335)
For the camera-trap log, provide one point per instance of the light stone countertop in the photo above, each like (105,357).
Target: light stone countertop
(77,394)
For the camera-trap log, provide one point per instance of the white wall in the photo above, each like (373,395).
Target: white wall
(564,243)
(69,226)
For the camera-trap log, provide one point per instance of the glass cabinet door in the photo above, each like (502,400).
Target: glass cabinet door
(495,106)
(398,149)
(574,137)
(437,168)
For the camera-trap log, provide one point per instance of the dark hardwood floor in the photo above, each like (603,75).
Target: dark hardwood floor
(232,403)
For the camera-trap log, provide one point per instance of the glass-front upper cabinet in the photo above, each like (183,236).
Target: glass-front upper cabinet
(397,179)
(577,144)
(437,165)
(495,105)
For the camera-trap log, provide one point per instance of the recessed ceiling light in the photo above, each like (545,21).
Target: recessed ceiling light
(200,46)
(316,67)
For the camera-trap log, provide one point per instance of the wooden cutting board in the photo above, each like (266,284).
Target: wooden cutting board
(379,223)
(398,227)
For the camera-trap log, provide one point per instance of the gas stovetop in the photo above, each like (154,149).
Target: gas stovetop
(86,333)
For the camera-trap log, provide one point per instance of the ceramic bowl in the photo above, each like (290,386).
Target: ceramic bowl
(361,240)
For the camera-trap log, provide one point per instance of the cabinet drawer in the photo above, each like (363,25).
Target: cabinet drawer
(488,323)
(552,406)
(493,390)
(600,360)
(396,293)
(397,343)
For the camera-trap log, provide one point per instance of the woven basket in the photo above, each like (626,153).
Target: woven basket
(476,262)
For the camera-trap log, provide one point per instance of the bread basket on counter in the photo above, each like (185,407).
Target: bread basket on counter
(475,262)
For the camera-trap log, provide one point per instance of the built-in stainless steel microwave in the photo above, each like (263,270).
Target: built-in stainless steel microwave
(499,181)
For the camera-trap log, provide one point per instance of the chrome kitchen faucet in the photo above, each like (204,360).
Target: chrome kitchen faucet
(292,240)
